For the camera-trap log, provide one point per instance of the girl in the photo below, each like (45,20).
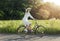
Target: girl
(25,20)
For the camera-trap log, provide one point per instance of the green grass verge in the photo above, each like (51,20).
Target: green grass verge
(10,26)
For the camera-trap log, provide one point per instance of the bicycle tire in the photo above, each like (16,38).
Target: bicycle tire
(20,29)
(38,28)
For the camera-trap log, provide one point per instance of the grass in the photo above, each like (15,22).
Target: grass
(10,26)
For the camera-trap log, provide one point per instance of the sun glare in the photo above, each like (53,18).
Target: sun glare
(57,2)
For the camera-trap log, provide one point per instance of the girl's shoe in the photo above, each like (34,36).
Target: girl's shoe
(25,30)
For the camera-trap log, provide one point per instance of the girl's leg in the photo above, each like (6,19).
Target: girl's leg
(26,30)
(29,28)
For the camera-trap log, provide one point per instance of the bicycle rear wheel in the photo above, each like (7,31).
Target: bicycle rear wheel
(20,29)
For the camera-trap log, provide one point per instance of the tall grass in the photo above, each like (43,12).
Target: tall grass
(10,26)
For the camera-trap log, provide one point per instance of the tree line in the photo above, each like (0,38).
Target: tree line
(14,9)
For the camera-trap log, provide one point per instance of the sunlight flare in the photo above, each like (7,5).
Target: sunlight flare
(57,2)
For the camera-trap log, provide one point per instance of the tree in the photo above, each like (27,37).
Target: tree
(46,11)
(11,8)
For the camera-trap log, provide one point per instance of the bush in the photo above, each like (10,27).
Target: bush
(10,26)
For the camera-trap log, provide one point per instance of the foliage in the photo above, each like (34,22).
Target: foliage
(10,26)
(13,9)
(52,9)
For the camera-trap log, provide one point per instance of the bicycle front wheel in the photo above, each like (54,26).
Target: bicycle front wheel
(39,29)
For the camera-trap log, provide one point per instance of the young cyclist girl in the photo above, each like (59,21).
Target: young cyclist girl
(25,20)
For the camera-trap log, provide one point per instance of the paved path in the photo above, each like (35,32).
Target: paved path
(14,37)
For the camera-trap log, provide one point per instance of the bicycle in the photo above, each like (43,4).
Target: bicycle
(35,28)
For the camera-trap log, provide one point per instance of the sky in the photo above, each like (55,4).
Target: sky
(57,2)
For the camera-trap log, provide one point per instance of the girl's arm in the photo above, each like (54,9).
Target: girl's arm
(31,16)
